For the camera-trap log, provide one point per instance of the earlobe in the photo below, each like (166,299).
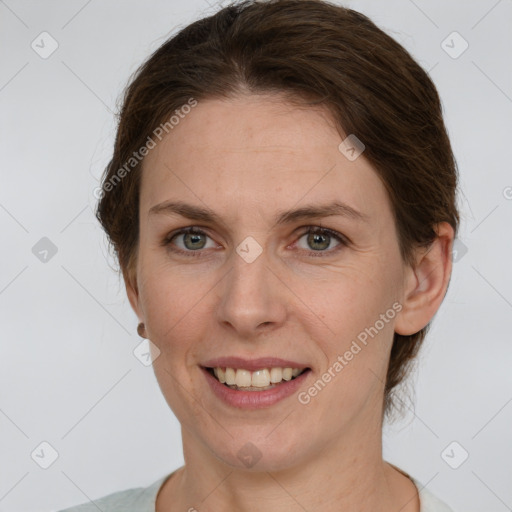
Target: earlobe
(425,286)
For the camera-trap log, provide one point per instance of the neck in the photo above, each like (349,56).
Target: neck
(348,474)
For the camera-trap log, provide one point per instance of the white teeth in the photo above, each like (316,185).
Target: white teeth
(264,378)
(287,373)
(230,376)
(260,378)
(220,374)
(276,375)
(243,378)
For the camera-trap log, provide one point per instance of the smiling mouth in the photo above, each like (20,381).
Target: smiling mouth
(260,380)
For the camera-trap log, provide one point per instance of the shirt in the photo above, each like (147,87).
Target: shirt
(143,499)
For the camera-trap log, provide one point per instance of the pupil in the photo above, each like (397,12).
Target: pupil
(315,237)
(195,237)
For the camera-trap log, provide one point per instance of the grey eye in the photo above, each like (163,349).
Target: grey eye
(319,240)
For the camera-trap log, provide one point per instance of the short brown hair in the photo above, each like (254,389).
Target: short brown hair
(314,52)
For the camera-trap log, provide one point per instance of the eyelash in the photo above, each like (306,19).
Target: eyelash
(167,242)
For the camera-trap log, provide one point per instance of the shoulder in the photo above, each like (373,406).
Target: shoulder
(139,499)
(428,501)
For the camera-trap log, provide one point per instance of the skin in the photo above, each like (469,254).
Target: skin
(247,158)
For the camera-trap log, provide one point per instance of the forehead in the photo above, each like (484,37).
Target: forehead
(256,150)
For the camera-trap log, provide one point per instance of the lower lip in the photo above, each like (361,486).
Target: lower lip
(254,399)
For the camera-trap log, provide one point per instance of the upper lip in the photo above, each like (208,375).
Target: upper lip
(252,364)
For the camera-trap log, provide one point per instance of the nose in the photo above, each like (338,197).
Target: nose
(252,298)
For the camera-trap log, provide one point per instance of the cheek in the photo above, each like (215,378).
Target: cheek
(351,300)
(359,314)
(171,303)
(353,375)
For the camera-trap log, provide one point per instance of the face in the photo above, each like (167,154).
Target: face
(252,282)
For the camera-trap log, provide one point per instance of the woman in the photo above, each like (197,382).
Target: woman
(281,199)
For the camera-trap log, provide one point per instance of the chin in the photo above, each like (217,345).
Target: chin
(258,453)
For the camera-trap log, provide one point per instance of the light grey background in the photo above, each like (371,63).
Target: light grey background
(68,375)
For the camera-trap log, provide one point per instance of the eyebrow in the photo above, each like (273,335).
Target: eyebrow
(204,214)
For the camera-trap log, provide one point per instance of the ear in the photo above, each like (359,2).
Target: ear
(426,284)
(132,291)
